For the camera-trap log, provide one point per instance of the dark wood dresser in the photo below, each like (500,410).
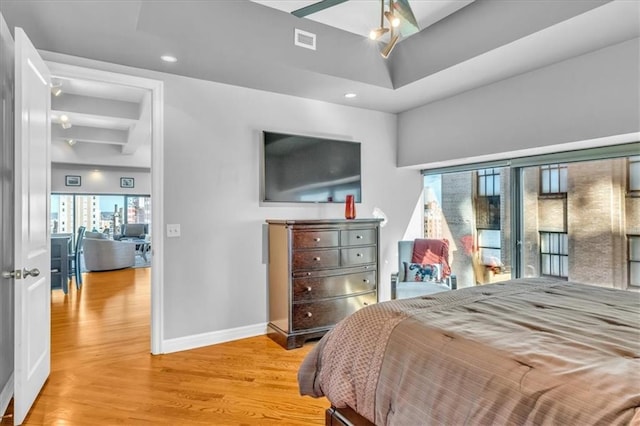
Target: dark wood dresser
(320,271)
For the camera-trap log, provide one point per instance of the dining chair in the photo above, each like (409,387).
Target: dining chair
(75,268)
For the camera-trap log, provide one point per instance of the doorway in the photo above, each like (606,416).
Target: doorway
(126,114)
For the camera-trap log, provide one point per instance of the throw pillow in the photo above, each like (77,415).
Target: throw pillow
(421,272)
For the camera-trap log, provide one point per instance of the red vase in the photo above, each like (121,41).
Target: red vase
(349,207)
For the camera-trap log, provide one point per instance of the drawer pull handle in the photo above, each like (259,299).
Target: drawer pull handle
(308,274)
(316,239)
(317,259)
(366,303)
(359,237)
(308,314)
(366,281)
(359,254)
(309,289)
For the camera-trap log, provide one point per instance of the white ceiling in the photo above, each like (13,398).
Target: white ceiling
(100,113)
(462,45)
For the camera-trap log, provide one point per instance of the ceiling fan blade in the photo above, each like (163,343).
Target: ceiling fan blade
(316,7)
(403,8)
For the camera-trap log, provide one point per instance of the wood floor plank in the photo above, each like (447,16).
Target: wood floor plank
(103,374)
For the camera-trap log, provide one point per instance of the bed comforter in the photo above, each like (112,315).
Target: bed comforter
(523,352)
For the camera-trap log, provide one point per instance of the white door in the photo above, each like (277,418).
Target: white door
(32,250)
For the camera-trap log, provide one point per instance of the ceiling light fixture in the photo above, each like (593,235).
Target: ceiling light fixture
(350,95)
(398,12)
(393,19)
(378,32)
(386,51)
(56,88)
(169,58)
(64,121)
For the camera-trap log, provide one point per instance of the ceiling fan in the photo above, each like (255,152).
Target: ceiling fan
(398,14)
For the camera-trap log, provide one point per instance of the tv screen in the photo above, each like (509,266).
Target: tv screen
(306,169)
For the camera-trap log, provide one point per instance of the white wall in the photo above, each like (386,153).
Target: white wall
(101,180)
(596,95)
(215,273)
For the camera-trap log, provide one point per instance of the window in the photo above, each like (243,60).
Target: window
(489,182)
(634,174)
(634,260)
(465,208)
(553,179)
(484,210)
(554,254)
(489,247)
(102,213)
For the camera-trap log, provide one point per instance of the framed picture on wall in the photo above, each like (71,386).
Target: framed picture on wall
(127,182)
(71,180)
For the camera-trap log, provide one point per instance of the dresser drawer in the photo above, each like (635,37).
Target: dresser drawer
(309,288)
(315,259)
(357,237)
(325,313)
(357,256)
(315,239)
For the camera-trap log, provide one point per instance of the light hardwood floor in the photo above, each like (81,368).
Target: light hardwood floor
(103,374)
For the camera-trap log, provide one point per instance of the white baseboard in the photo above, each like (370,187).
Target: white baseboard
(5,395)
(213,338)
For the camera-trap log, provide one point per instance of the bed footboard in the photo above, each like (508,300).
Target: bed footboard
(344,417)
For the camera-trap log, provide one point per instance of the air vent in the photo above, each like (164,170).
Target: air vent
(305,39)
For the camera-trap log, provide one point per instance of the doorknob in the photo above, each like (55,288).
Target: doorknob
(34,272)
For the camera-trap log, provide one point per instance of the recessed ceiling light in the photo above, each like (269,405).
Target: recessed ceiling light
(169,58)
(350,95)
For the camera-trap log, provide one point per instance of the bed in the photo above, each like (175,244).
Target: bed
(531,351)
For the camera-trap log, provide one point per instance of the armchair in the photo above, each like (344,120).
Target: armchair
(133,231)
(433,276)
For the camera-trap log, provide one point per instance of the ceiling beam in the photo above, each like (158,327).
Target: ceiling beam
(316,7)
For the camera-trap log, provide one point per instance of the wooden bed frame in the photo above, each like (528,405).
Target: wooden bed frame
(344,417)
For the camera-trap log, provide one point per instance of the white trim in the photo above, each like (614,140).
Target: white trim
(6,395)
(213,338)
(528,152)
(157,179)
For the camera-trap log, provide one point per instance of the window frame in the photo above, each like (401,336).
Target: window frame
(517,164)
(560,178)
(633,159)
(93,196)
(554,254)
(631,261)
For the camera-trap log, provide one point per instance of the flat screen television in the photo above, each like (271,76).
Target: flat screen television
(307,169)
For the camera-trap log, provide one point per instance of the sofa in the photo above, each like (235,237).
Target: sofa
(423,268)
(103,254)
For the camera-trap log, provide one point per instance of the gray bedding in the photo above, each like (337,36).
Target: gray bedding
(524,352)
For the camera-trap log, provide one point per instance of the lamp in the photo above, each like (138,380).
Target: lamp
(56,88)
(64,121)
(389,47)
(394,22)
(377,33)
